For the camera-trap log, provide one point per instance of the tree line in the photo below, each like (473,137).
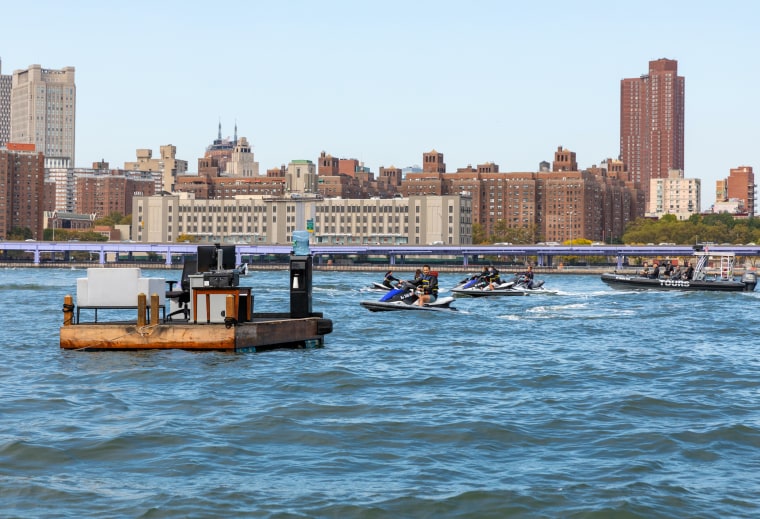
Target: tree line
(715,228)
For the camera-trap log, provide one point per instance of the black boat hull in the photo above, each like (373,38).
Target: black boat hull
(634,282)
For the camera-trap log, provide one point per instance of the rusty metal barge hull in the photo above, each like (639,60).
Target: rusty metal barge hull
(263,332)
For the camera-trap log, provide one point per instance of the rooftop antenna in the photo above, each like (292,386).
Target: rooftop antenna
(220,129)
(235,141)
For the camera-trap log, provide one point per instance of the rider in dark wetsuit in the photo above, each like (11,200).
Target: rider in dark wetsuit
(528,277)
(390,279)
(427,285)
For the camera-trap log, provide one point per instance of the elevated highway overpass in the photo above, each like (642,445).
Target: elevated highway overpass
(546,255)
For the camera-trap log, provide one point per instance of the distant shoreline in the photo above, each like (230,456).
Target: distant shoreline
(577,270)
(407,267)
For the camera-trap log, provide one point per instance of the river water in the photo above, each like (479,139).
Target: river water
(590,403)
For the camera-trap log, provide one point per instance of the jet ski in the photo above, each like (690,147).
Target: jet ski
(394,283)
(517,286)
(476,288)
(521,284)
(467,282)
(405,298)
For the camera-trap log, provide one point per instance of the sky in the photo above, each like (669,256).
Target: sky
(384,82)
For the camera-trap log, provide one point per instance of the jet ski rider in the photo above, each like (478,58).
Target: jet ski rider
(390,280)
(427,286)
(492,277)
(528,277)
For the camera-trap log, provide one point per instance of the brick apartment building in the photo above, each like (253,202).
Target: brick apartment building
(22,181)
(558,205)
(652,123)
(736,194)
(105,194)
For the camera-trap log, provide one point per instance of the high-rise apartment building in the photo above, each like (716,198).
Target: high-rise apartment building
(674,195)
(22,181)
(43,112)
(652,123)
(5,106)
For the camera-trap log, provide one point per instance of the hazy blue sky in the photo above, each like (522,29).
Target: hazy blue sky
(384,81)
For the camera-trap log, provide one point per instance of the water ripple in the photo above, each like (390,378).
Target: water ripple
(592,403)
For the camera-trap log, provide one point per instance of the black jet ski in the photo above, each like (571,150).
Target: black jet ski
(379,286)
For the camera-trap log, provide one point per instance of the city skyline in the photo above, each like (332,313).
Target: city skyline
(496,82)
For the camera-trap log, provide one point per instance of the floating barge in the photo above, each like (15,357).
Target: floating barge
(210,312)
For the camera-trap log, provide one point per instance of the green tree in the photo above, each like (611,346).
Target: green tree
(478,234)
(504,233)
(20,233)
(113,219)
(108,220)
(717,218)
(501,232)
(718,228)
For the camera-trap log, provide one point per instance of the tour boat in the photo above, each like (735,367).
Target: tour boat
(714,271)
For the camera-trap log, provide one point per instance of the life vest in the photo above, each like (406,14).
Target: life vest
(429,283)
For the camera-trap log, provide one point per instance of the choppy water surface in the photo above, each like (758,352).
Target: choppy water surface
(590,403)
